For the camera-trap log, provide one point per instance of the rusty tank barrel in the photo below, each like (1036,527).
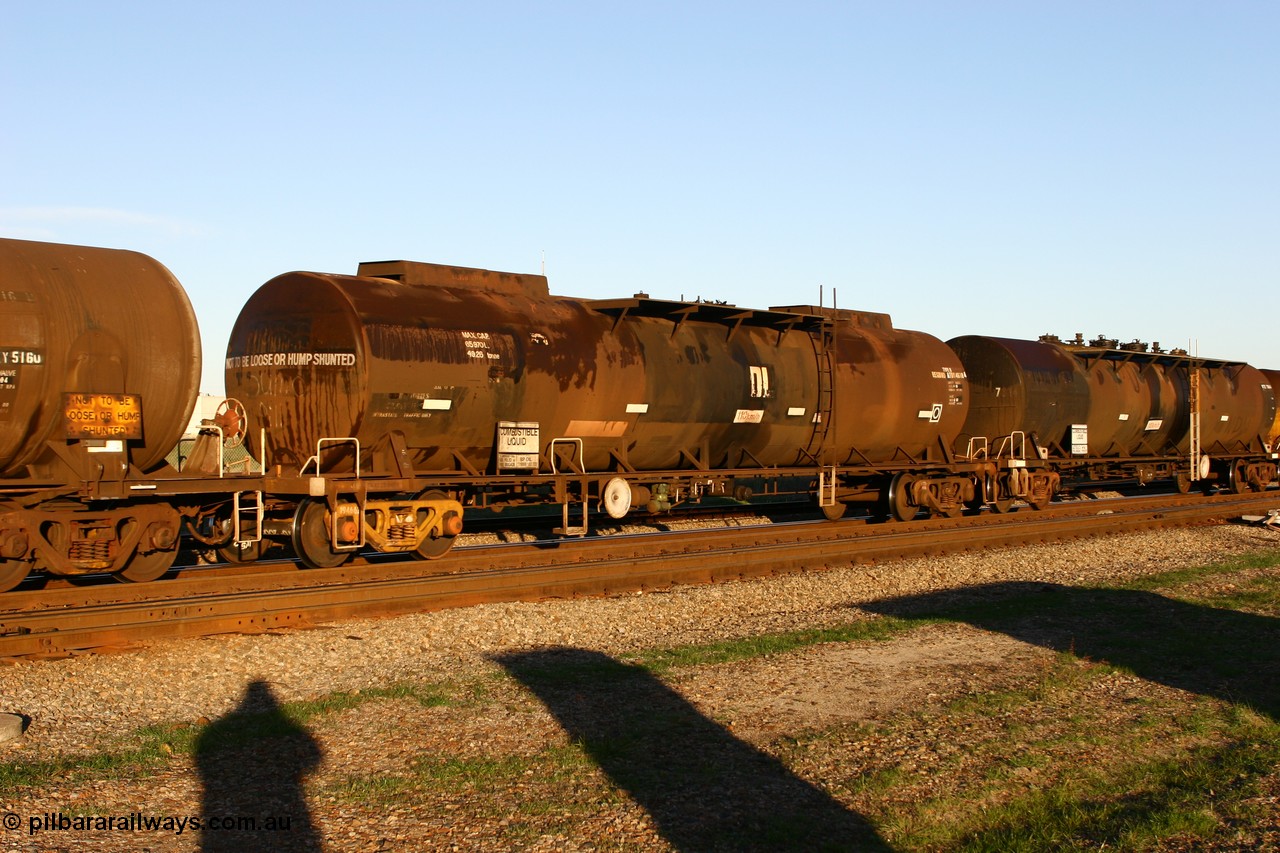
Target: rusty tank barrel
(1021,385)
(897,391)
(481,371)
(88,321)
(1130,402)
(1273,379)
(1237,407)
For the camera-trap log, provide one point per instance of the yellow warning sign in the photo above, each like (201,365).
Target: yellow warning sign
(102,415)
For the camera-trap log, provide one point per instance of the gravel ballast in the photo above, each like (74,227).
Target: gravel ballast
(87,704)
(79,703)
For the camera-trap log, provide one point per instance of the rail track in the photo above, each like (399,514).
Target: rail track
(60,621)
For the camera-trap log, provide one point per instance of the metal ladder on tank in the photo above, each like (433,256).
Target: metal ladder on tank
(823,415)
(1193,403)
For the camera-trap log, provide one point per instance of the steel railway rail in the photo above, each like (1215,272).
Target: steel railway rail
(62,621)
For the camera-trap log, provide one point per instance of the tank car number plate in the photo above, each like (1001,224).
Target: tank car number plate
(102,415)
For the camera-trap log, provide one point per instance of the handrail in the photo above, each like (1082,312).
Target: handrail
(1016,450)
(320,448)
(582,454)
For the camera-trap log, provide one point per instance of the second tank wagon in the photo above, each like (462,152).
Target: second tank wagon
(467,373)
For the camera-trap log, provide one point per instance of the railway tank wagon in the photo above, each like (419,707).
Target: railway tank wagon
(1273,434)
(900,400)
(1104,412)
(93,390)
(383,406)
(442,386)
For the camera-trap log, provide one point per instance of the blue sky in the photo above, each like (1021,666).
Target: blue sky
(983,167)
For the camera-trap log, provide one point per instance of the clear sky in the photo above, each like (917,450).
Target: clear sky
(1006,168)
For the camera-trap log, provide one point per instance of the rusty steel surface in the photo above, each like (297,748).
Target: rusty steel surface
(896,391)
(443,357)
(1273,379)
(1132,402)
(1119,396)
(251,600)
(83,321)
(1237,402)
(1020,385)
(1237,406)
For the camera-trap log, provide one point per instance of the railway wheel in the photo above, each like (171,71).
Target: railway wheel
(311,537)
(1239,481)
(1002,499)
(1249,480)
(899,491)
(143,568)
(247,552)
(1182,483)
(973,506)
(12,573)
(434,549)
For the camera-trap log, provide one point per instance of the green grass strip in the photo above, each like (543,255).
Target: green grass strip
(1194,574)
(1194,793)
(658,661)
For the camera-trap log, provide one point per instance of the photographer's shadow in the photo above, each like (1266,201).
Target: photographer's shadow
(703,788)
(252,764)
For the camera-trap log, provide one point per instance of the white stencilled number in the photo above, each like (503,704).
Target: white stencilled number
(759,381)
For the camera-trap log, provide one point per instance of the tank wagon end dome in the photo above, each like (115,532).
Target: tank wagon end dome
(87,320)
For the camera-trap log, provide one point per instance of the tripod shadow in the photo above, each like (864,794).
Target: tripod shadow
(704,788)
(252,763)
(1214,652)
